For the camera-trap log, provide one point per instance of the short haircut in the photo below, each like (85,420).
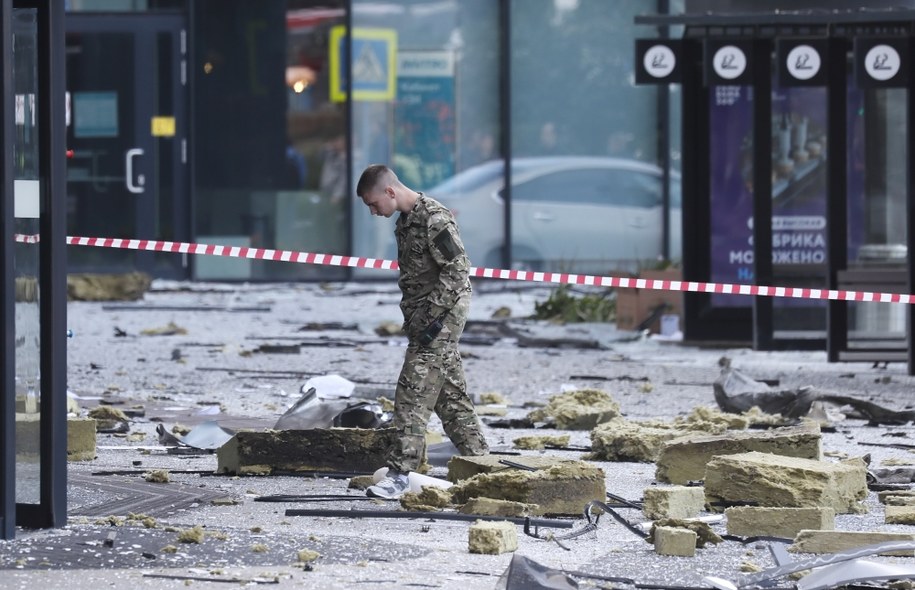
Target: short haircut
(370,178)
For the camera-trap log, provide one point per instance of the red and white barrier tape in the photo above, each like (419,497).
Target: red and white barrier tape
(493,273)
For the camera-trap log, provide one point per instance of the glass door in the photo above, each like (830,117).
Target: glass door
(126,129)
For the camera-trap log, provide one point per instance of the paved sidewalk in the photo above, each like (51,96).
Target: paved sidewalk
(217,370)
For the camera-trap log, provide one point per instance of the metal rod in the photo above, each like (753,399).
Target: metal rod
(539,522)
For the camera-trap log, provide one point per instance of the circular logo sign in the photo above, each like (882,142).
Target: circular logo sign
(729,62)
(882,62)
(659,61)
(803,62)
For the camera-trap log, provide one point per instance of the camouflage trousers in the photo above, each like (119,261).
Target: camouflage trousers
(432,379)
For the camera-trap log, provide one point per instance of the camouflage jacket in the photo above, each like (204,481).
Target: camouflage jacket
(434,269)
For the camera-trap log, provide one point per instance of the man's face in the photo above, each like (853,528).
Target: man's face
(380,201)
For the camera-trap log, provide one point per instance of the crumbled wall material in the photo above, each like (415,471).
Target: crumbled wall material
(81,439)
(107,287)
(320,449)
(673,502)
(674,541)
(900,515)
(460,468)
(561,490)
(704,532)
(493,507)
(621,440)
(790,482)
(538,443)
(752,521)
(885,495)
(684,459)
(821,542)
(492,538)
(582,409)
(429,499)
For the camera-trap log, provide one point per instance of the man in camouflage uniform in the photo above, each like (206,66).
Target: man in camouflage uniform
(435,283)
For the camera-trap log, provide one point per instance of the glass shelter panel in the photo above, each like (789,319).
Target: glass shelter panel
(437,123)
(799,133)
(27,199)
(569,61)
(877,176)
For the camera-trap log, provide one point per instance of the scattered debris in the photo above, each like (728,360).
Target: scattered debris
(523,573)
(736,392)
(839,577)
(704,532)
(494,507)
(389,329)
(776,480)
(492,538)
(562,489)
(171,329)
(673,502)
(193,535)
(334,449)
(538,443)
(107,287)
(684,459)
(206,436)
(307,555)
(428,499)
(582,409)
(674,541)
(156,476)
(493,398)
(752,521)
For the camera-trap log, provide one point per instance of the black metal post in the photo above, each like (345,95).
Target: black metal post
(910,219)
(695,169)
(763,325)
(7,284)
(52,274)
(837,193)
(505,122)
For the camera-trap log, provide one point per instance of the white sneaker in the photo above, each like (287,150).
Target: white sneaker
(390,487)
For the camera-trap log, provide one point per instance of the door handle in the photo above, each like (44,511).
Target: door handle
(541,216)
(128,165)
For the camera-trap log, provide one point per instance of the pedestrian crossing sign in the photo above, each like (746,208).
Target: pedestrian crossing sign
(373,65)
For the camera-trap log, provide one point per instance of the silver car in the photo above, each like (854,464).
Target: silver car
(569,213)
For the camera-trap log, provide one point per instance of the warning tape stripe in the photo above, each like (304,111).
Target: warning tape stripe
(489,273)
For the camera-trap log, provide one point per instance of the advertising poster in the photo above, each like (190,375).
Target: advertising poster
(798,183)
(425,125)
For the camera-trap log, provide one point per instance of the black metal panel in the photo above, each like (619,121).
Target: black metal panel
(7,286)
(837,195)
(763,323)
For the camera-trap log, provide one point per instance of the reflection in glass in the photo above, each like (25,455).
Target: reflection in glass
(577,115)
(443,121)
(878,157)
(799,207)
(26,257)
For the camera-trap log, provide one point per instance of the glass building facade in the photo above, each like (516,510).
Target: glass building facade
(274,135)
